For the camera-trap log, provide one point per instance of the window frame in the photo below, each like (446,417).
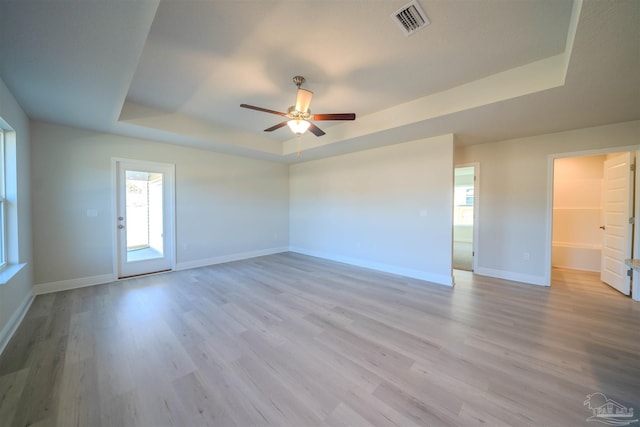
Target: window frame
(3,202)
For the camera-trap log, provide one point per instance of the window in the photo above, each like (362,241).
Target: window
(10,263)
(3,203)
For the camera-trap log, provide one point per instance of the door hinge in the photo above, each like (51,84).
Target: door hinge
(630,272)
(632,220)
(633,167)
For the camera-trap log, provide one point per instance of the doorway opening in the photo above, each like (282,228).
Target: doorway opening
(592,213)
(464,217)
(144,217)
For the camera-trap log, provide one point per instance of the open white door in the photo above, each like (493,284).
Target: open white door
(616,242)
(144,223)
(635,286)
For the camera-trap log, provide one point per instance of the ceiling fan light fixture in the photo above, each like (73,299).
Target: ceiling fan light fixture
(300,114)
(298,126)
(303,100)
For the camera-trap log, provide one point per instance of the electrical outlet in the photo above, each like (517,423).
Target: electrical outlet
(525,256)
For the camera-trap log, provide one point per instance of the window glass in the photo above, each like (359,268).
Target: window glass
(3,204)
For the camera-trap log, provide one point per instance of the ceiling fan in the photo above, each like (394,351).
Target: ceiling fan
(299,115)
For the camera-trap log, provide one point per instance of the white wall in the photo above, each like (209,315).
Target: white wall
(514,213)
(16,294)
(364,208)
(227,207)
(388,208)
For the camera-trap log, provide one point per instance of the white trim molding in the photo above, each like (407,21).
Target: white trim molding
(510,275)
(400,271)
(10,272)
(186,265)
(65,285)
(12,325)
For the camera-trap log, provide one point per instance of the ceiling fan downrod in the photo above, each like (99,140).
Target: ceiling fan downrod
(298,80)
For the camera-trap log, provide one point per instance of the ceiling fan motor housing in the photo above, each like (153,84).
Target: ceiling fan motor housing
(294,114)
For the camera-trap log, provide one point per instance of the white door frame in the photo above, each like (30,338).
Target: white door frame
(550,176)
(170,185)
(476,212)
(635,279)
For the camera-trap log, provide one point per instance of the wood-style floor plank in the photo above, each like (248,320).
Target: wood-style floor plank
(293,340)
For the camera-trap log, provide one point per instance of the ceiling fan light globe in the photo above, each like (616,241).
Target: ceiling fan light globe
(298,126)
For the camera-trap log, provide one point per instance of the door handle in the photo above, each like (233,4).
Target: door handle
(602,226)
(120,226)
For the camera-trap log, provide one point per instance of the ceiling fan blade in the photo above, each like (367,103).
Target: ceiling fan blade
(276,127)
(265,110)
(304,100)
(335,116)
(315,130)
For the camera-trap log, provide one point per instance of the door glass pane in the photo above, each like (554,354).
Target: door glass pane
(144,215)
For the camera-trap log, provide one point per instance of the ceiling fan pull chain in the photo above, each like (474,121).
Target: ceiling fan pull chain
(299,149)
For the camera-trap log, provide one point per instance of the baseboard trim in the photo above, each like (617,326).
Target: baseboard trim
(407,272)
(228,258)
(65,285)
(509,275)
(14,321)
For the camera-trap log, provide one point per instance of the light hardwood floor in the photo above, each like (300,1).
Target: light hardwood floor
(293,340)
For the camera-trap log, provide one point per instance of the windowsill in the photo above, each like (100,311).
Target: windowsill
(9,272)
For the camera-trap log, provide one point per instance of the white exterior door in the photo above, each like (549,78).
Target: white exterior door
(616,242)
(144,217)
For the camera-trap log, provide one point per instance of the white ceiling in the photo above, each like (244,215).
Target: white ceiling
(177,71)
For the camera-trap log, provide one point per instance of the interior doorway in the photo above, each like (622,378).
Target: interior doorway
(592,207)
(464,217)
(144,217)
